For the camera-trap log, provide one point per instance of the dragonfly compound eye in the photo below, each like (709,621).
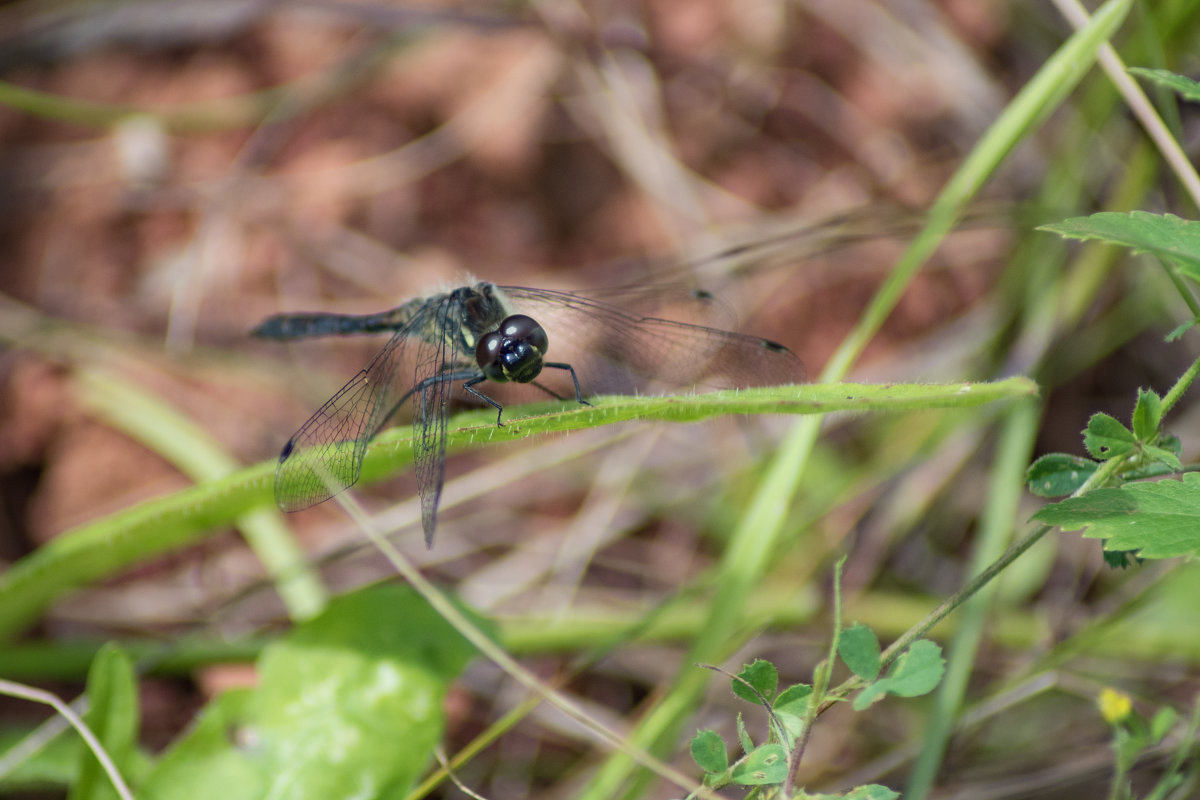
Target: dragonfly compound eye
(514,352)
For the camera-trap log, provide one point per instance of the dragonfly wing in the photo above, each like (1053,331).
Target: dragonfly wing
(625,342)
(433,384)
(325,456)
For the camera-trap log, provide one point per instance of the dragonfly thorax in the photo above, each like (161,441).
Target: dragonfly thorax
(514,351)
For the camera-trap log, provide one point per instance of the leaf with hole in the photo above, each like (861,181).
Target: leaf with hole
(1107,438)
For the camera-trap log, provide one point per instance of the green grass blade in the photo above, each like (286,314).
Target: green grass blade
(106,546)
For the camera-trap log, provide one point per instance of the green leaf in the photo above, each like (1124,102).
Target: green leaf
(1147,415)
(765,765)
(708,751)
(918,670)
(760,674)
(112,716)
(1158,520)
(352,698)
(791,706)
(794,699)
(1187,88)
(859,648)
(1163,455)
(1107,438)
(1163,235)
(1058,474)
(1162,722)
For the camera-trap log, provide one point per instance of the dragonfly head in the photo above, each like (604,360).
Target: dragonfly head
(514,351)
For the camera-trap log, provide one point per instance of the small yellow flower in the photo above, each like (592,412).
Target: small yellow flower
(1114,705)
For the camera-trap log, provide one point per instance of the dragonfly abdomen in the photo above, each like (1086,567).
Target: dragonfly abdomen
(300,326)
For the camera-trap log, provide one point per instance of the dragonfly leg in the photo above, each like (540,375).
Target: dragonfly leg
(470,387)
(449,373)
(574,379)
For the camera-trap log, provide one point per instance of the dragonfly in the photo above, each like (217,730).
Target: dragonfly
(468,343)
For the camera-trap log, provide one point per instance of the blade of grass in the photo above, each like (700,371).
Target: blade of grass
(106,546)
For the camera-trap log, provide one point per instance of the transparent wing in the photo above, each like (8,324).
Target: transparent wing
(325,456)
(623,342)
(437,369)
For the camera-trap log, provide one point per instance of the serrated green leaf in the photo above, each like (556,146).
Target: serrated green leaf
(1058,474)
(763,766)
(1107,438)
(918,670)
(1147,415)
(1158,520)
(1187,88)
(859,648)
(708,751)
(760,674)
(112,716)
(1163,235)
